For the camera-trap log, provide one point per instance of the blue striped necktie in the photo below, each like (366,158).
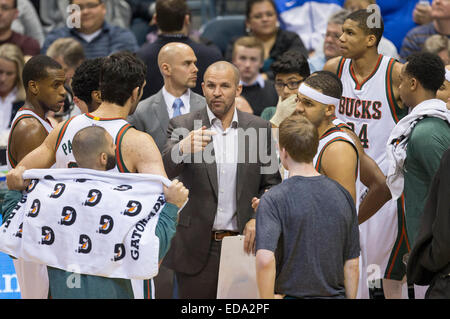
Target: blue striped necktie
(177,107)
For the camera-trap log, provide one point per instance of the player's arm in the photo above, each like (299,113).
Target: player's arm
(340,162)
(396,83)
(141,155)
(27,136)
(351,277)
(332,65)
(373,178)
(378,192)
(42,156)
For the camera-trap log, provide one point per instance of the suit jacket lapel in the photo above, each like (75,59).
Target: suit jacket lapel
(161,112)
(211,168)
(241,166)
(196,102)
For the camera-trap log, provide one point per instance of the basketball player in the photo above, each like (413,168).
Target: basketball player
(337,156)
(371,105)
(121,84)
(43,80)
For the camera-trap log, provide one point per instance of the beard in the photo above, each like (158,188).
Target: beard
(110,162)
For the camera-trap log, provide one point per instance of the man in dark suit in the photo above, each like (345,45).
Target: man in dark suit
(214,152)
(176,62)
(173,20)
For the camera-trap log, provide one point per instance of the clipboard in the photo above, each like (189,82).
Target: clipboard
(237,271)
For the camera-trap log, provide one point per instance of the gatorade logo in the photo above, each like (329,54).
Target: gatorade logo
(58,191)
(133,208)
(119,251)
(106,224)
(85,244)
(123,188)
(82,180)
(69,215)
(19,232)
(32,185)
(48,236)
(49,177)
(35,208)
(94,197)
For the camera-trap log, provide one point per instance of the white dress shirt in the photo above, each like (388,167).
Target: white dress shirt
(169,99)
(225,144)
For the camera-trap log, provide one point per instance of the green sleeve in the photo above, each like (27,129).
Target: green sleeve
(166,228)
(268,113)
(9,202)
(429,140)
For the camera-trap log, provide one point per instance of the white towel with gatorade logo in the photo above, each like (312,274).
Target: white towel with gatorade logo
(101,223)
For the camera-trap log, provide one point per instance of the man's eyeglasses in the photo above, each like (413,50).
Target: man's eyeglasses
(292,85)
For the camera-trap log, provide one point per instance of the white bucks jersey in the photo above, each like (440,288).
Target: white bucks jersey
(116,127)
(331,136)
(369,107)
(23,113)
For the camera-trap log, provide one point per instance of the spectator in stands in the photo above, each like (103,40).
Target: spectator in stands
(262,23)
(422,13)
(415,38)
(28,21)
(290,70)
(70,54)
(248,57)
(98,37)
(385,46)
(173,21)
(444,91)
(12,92)
(54,13)
(440,45)
(331,43)
(141,15)
(9,12)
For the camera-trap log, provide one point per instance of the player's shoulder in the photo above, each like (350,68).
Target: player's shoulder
(333,64)
(28,125)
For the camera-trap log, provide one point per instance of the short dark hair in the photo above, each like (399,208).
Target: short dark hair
(121,73)
(170,14)
(87,79)
(291,62)
(427,68)
(36,68)
(327,82)
(299,137)
(363,17)
(251,3)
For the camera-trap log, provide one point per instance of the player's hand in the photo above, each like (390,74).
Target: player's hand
(15,181)
(196,141)
(250,236)
(176,193)
(284,109)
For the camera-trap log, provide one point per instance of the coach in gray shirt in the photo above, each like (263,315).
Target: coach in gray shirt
(176,62)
